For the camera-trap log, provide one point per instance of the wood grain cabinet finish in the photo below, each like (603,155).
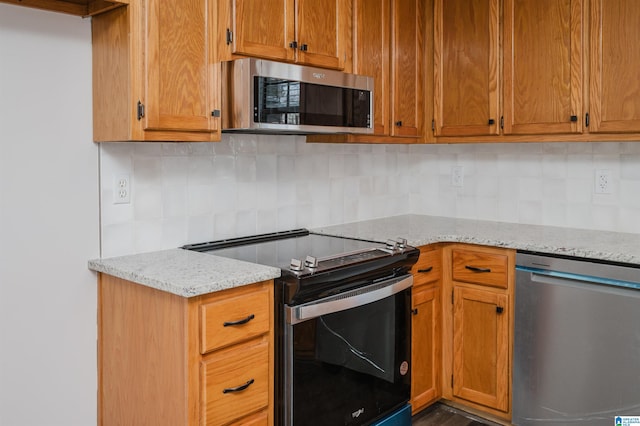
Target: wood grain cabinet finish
(542,78)
(615,59)
(478,327)
(160,361)
(426,360)
(310,32)
(153,73)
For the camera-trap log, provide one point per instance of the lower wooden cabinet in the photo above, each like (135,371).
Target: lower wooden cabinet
(478,292)
(426,333)
(169,360)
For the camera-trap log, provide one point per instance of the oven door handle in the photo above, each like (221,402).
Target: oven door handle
(348,300)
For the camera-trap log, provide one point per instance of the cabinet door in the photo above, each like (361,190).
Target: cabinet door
(542,66)
(466,49)
(425,350)
(371,54)
(318,32)
(481,347)
(615,58)
(263,28)
(178,86)
(407,67)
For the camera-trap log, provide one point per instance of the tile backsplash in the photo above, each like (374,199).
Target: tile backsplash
(191,192)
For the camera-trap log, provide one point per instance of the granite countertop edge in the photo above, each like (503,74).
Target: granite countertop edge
(188,274)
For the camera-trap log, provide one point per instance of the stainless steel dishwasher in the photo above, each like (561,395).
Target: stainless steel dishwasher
(576,342)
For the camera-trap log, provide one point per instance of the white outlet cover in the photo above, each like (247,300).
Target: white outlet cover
(603,182)
(457,176)
(121,189)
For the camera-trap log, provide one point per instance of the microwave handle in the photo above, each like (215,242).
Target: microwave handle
(348,300)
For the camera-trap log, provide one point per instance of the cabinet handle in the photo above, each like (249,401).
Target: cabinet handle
(238,388)
(499,309)
(424,271)
(574,118)
(399,123)
(414,311)
(304,47)
(492,122)
(239,322)
(476,269)
(293,44)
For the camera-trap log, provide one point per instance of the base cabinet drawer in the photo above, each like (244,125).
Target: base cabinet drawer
(235,382)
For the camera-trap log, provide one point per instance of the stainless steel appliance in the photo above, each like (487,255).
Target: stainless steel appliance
(272,97)
(577,341)
(343,306)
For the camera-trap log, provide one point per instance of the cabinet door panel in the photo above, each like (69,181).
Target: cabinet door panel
(178,87)
(480,347)
(318,32)
(466,52)
(407,68)
(542,66)
(264,29)
(371,54)
(425,351)
(615,57)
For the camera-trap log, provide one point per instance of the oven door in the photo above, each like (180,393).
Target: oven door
(347,356)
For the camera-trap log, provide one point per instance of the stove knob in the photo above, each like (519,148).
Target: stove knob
(296,265)
(311,262)
(402,243)
(392,245)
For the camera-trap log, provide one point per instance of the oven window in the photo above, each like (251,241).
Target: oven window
(352,366)
(297,103)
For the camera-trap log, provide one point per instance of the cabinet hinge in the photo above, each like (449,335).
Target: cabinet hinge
(229,36)
(140,110)
(215,113)
(586,120)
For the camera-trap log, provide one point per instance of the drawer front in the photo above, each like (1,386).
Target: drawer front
(478,267)
(428,268)
(235,382)
(234,319)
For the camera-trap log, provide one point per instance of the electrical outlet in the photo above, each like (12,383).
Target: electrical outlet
(602,182)
(457,176)
(121,189)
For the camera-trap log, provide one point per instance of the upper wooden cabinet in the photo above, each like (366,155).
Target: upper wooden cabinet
(82,8)
(541,83)
(465,73)
(543,67)
(311,32)
(615,59)
(154,78)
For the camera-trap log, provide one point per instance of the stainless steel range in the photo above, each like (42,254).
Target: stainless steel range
(343,344)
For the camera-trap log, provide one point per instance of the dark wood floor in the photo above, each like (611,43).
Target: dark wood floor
(442,415)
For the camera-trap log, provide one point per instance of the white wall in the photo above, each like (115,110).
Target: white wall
(48,220)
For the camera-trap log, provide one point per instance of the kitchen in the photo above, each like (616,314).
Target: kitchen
(262,182)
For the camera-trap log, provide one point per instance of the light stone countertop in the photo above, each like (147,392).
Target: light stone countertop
(422,230)
(183,272)
(189,274)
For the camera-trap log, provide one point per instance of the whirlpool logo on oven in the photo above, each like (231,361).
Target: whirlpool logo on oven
(357,413)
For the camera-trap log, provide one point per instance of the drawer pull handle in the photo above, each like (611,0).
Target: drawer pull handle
(476,269)
(238,388)
(239,322)
(424,271)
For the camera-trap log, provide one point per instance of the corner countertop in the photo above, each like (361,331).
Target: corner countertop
(189,274)
(421,230)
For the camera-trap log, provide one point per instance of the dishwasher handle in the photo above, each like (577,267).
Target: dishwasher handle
(543,275)
(351,299)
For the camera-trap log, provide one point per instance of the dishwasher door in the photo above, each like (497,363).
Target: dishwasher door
(576,342)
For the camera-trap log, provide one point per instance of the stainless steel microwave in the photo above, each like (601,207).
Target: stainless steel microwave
(260,96)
